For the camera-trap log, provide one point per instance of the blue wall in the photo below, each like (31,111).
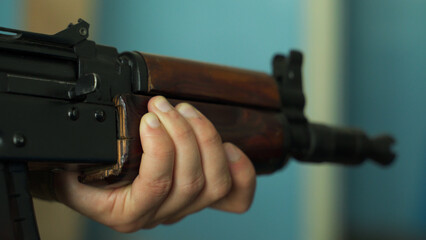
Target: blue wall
(386,91)
(9,13)
(238,33)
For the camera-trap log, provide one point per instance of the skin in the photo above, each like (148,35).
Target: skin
(185,168)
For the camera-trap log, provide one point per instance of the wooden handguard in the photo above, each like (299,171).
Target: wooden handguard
(208,82)
(243,106)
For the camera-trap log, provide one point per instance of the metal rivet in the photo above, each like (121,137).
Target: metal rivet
(100,115)
(19,140)
(83,31)
(73,114)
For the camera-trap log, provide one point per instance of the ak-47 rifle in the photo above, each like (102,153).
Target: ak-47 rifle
(68,103)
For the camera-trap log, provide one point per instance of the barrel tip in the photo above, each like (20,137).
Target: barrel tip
(381,151)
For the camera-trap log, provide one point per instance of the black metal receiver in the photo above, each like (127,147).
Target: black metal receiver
(47,83)
(56,97)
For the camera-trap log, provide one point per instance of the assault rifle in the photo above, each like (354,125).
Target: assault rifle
(68,103)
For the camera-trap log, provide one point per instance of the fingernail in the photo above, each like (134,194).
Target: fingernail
(163,105)
(152,120)
(187,110)
(232,153)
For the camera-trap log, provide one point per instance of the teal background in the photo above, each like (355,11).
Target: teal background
(9,16)
(237,33)
(385,90)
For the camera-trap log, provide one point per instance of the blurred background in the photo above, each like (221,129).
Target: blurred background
(365,66)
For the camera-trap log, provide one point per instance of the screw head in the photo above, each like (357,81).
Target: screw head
(73,114)
(83,31)
(18,140)
(100,115)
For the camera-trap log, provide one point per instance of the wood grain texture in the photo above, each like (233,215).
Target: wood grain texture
(258,133)
(204,81)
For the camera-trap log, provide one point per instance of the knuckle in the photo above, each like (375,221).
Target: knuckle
(210,137)
(220,189)
(160,187)
(194,186)
(184,132)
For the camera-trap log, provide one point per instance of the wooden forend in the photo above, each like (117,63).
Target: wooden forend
(208,82)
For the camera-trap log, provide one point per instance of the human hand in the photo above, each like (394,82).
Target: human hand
(185,168)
